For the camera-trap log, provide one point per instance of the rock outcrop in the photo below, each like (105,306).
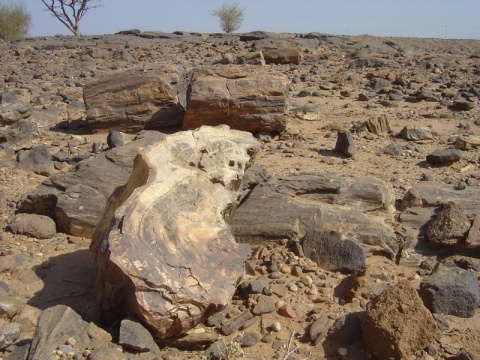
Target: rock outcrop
(163,250)
(251,102)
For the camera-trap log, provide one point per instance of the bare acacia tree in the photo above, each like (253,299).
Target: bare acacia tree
(69,12)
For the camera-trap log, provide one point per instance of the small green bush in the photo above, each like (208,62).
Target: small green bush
(15,21)
(230,15)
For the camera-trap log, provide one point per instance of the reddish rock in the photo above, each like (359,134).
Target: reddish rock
(287,311)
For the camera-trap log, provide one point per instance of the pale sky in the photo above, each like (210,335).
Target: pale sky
(459,19)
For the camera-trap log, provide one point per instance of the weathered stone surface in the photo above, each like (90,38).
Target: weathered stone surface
(9,333)
(12,112)
(278,51)
(445,156)
(378,125)
(396,323)
(464,142)
(107,352)
(416,133)
(56,325)
(163,250)
(115,139)
(135,100)
(331,252)
(450,225)
(37,160)
(286,207)
(20,134)
(253,58)
(451,290)
(249,102)
(462,105)
(345,144)
(38,226)
(135,337)
(76,198)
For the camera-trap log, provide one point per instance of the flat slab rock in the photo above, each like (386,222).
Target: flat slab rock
(286,207)
(163,250)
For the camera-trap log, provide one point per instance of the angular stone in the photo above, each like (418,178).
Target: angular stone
(250,338)
(252,58)
(76,198)
(379,125)
(450,225)
(163,250)
(37,160)
(9,333)
(134,100)
(278,51)
(451,290)
(331,252)
(464,142)
(38,226)
(462,105)
(345,144)
(56,325)
(135,337)
(318,329)
(265,304)
(251,102)
(285,207)
(20,134)
(107,352)
(445,156)
(409,326)
(233,326)
(116,139)
(416,133)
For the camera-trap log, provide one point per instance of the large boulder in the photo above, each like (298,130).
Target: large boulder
(163,250)
(135,100)
(286,207)
(251,102)
(396,323)
(75,199)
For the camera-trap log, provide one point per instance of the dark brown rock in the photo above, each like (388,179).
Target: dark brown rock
(397,324)
(163,250)
(345,144)
(445,156)
(251,102)
(134,100)
(37,160)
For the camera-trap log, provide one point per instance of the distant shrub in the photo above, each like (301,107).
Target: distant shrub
(15,21)
(230,15)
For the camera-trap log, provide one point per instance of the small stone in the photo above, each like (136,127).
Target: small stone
(307,280)
(287,311)
(276,326)
(279,303)
(250,338)
(293,288)
(342,351)
(285,269)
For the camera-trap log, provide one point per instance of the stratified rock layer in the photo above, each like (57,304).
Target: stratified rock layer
(163,250)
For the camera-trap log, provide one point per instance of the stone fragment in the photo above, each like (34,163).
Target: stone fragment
(462,105)
(250,338)
(409,326)
(318,329)
(445,156)
(345,144)
(331,252)
(473,237)
(278,51)
(252,58)
(107,352)
(265,304)
(37,160)
(250,102)
(379,125)
(451,290)
(9,306)
(287,311)
(135,337)
(59,323)
(163,242)
(416,133)
(450,226)
(37,226)
(20,134)
(9,333)
(135,100)
(346,330)
(233,326)
(116,138)
(12,112)
(464,142)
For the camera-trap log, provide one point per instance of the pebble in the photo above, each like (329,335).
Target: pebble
(342,351)
(287,311)
(286,269)
(276,326)
(293,288)
(279,303)
(307,280)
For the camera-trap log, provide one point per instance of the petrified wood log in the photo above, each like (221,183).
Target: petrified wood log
(163,250)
